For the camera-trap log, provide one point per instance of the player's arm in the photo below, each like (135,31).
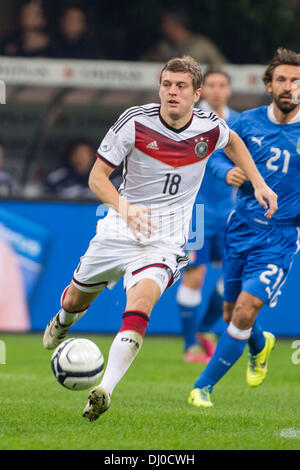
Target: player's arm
(135,216)
(236,177)
(237,151)
(224,169)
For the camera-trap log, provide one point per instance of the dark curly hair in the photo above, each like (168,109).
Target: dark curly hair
(281,57)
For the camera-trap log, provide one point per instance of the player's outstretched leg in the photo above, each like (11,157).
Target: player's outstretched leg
(141,298)
(123,350)
(200,397)
(229,349)
(58,327)
(258,364)
(55,332)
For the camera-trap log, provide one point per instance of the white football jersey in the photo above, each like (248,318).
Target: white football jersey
(163,166)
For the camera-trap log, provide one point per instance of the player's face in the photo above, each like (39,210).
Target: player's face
(177,95)
(216,90)
(282,87)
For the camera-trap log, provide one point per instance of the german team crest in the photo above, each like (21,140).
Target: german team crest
(201,149)
(298,146)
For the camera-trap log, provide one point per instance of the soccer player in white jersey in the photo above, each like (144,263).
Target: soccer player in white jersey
(165,149)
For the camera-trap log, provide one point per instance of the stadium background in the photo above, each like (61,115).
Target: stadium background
(49,101)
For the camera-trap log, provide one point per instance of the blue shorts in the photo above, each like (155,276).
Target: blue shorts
(212,252)
(257,259)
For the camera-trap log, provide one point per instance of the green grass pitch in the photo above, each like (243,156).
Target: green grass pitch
(149,407)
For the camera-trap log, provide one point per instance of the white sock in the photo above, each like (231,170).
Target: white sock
(237,333)
(66,318)
(188,297)
(123,350)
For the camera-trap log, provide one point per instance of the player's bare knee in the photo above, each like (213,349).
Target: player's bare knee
(69,304)
(72,303)
(244,314)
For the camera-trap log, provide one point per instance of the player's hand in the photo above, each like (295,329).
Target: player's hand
(296,91)
(236,177)
(138,219)
(267,199)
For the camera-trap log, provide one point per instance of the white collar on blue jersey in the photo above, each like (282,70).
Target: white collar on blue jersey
(272,117)
(207,108)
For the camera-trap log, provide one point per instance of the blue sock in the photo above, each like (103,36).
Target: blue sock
(212,314)
(188,322)
(257,340)
(229,350)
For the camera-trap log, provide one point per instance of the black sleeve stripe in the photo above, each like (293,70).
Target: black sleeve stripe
(112,165)
(131,112)
(116,129)
(125,170)
(202,115)
(212,116)
(138,112)
(125,115)
(205,115)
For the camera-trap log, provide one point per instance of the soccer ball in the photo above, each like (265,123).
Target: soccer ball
(77,363)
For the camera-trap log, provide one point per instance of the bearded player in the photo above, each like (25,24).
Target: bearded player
(258,253)
(164,149)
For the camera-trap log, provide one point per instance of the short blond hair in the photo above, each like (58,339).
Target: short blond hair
(185,64)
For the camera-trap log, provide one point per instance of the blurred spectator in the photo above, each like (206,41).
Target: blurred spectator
(32,38)
(178,40)
(73,41)
(8,186)
(216,92)
(71,179)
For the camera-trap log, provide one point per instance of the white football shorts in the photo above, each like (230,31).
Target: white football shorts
(110,257)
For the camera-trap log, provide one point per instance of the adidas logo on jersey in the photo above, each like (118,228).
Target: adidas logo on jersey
(153,145)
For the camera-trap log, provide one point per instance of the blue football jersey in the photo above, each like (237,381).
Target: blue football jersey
(275,149)
(215,194)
